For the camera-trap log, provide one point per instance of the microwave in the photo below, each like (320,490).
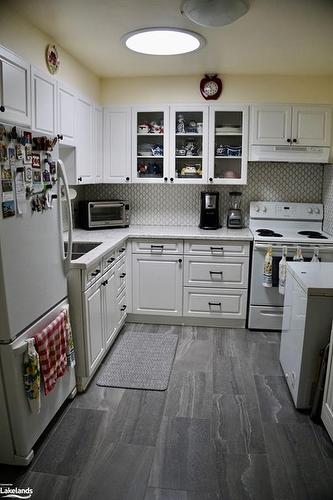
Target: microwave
(103,214)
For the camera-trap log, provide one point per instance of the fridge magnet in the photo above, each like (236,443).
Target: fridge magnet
(8,209)
(28,137)
(36,176)
(28,174)
(52,165)
(35,160)
(28,153)
(11,156)
(46,176)
(6,172)
(3,152)
(19,152)
(19,190)
(7,187)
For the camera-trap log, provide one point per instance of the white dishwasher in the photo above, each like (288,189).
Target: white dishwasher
(307,320)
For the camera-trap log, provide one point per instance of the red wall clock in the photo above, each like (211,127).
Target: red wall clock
(211,87)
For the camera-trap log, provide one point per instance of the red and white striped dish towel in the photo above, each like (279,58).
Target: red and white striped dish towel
(51,345)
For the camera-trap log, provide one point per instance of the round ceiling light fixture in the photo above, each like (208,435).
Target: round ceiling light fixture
(163,41)
(212,13)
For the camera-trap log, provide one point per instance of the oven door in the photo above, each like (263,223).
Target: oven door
(266,304)
(106,214)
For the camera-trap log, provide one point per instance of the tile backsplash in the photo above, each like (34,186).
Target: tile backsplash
(328,198)
(154,204)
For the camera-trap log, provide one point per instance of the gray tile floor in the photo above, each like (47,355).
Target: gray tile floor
(225,428)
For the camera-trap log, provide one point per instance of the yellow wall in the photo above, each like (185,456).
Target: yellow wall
(236,88)
(27,41)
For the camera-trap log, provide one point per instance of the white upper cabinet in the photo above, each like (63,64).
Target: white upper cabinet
(66,114)
(228,144)
(15,101)
(117,145)
(84,141)
(44,91)
(150,146)
(311,125)
(188,144)
(270,124)
(280,124)
(98,143)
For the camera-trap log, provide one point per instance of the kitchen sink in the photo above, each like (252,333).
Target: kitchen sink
(80,248)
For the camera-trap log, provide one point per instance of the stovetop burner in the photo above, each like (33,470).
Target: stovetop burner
(268,232)
(313,234)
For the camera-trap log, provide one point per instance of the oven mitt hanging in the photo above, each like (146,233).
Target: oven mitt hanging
(267,275)
(31,376)
(283,270)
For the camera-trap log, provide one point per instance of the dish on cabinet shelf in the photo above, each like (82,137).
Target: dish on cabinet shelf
(228,129)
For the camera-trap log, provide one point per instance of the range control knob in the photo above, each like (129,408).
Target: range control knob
(310,211)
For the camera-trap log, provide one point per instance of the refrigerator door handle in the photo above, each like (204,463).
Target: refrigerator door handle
(61,173)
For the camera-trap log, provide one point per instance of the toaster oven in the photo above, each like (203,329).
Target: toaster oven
(103,214)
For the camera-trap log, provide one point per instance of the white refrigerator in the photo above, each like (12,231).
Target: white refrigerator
(33,291)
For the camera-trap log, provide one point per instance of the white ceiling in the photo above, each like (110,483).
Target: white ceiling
(291,37)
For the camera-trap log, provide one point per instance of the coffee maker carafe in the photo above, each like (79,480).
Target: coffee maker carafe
(234,220)
(209,211)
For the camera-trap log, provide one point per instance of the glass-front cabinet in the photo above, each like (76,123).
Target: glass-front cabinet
(188,144)
(228,144)
(150,144)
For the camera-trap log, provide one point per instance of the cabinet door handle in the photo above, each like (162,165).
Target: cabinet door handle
(122,275)
(105,282)
(79,179)
(121,250)
(294,140)
(2,109)
(60,137)
(127,179)
(210,179)
(218,304)
(180,261)
(123,308)
(216,249)
(109,261)
(95,273)
(171,179)
(289,140)
(165,179)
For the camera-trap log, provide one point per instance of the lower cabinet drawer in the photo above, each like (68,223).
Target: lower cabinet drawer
(157,246)
(226,272)
(215,303)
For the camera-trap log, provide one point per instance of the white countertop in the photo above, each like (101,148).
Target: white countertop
(316,278)
(111,238)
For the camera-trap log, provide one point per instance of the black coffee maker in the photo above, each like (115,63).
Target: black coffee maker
(209,211)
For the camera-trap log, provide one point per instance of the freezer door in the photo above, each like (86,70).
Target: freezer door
(25,426)
(32,277)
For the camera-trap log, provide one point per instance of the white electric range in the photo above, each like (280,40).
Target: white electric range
(281,224)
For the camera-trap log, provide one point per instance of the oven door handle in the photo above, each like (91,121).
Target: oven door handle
(262,246)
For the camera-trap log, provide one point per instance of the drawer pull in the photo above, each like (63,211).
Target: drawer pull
(105,282)
(216,272)
(218,304)
(95,273)
(217,249)
(157,247)
(121,250)
(123,308)
(122,275)
(109,261)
